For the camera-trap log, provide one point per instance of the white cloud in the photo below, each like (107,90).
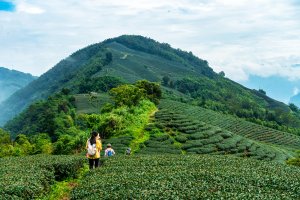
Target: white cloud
(260,37)
(29,9)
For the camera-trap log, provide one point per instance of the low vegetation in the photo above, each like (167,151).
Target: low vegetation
(30,177)
(232,124)
(189,177)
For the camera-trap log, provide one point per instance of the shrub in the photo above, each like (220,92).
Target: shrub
(188,177)
(181,138)
(31,176)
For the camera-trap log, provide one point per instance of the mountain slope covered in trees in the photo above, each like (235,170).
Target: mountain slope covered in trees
(185,77)
(11,81)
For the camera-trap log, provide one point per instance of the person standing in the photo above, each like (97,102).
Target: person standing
(109,151)
(93,146)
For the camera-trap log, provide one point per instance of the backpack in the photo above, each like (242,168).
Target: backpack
(91,149)
(109,152)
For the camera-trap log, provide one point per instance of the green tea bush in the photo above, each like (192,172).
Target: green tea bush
(233,124)
(197,136)
(212,140)
(189,177)
(181,138)
(192,144)
(31,176)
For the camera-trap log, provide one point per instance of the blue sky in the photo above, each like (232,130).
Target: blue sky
(245,38)
(7,6)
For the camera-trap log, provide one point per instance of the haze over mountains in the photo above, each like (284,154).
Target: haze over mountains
(11,81)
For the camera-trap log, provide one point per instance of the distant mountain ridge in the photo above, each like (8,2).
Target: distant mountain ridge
(11,81)
(130,58)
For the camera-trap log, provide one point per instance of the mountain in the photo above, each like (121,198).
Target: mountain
(184,77)
(11,81)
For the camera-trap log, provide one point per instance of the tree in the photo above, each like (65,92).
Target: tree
(262,91)
(23,146)
(151,90)
(108,57)
(165,80)
(42,144)
(293,107)
(128,95)
(4,137)
(221,73)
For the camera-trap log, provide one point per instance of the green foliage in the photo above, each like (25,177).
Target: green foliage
(43,144)
(11,81)
(202,138)
(262,91)
(130,95)
(152,91)
(31,176)
(163,50)
(6,146)
(98,84)
(50,116)
(4,137)
(223,95)
(189,176)
(120,121)
(293,107)
(22,146)
(226,122)
(49,127)
(295,161)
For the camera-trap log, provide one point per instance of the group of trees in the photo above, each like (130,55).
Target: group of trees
(22,145)
(52,126)
(130,95)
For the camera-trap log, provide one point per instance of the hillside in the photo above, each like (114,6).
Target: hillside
(101,66)
(11,81)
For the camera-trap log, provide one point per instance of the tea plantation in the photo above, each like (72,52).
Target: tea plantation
(195,136)
(173,130)
(87,103)
(189,177)
(233,124)
(31,176)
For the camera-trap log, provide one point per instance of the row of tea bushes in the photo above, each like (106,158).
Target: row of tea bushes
(189,177)
(199,137)
(31,176)
(233,124)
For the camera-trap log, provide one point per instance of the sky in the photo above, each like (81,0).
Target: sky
(244,38)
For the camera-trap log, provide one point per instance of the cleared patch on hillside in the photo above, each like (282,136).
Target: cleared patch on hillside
(91,103)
